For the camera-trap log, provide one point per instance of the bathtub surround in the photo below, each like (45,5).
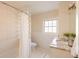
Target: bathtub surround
(12,32)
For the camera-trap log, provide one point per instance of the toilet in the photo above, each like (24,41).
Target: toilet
(33,44)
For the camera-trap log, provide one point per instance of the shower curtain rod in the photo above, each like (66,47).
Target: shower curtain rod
(13,7)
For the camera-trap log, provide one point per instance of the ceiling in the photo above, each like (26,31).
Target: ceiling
(35,6)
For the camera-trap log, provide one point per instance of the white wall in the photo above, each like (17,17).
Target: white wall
(10,34)
(67,18)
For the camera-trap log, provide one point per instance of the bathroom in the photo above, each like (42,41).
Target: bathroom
(34,29)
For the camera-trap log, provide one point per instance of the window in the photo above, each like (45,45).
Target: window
(50,26)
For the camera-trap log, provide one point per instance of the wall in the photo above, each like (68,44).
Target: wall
(67,18)
(8,31)
(12,33)
(66,23)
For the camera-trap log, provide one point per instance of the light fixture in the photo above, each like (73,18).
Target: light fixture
(72,6)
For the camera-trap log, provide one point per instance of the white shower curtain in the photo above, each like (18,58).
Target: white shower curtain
(75,48)
(24,49)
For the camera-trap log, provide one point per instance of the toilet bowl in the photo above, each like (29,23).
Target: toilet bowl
(33,44)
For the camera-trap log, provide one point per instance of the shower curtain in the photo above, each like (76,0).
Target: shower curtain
(24,49)
(75,48)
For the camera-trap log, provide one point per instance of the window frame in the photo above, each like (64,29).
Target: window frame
(50,26)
